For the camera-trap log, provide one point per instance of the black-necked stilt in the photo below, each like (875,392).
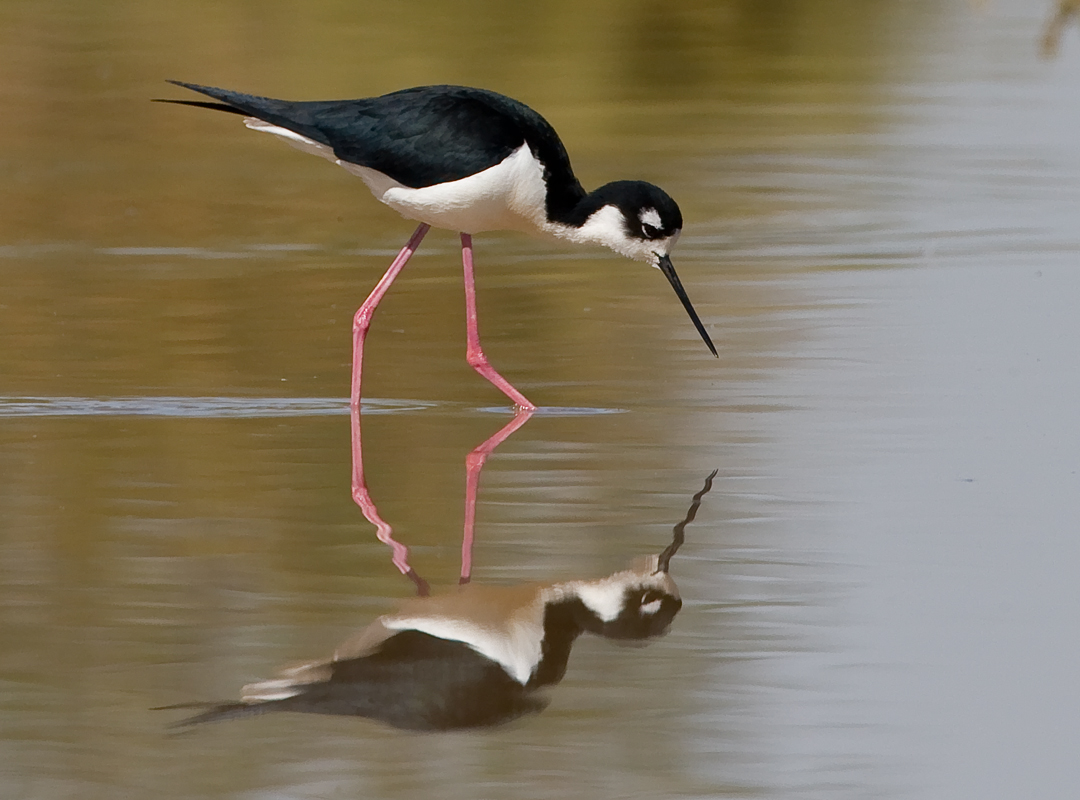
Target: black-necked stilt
(468,160)
(474,657)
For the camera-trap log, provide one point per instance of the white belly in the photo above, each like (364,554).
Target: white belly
(508,196)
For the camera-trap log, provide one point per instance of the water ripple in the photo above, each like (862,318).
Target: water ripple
(242,407)
(192,406)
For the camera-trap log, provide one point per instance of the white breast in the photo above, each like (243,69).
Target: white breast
(508,196)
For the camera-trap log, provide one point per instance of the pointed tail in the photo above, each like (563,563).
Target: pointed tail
(215,712)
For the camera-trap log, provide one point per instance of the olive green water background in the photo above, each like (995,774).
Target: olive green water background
(882,204)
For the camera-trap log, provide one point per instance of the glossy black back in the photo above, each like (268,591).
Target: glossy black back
(422,136)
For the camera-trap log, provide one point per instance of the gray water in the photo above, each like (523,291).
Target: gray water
(883,238)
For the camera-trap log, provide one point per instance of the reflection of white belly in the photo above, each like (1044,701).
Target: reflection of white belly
(508,196)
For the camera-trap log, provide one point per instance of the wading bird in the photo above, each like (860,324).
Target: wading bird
(468,160)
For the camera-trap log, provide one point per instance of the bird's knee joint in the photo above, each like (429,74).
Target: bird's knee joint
(477,360)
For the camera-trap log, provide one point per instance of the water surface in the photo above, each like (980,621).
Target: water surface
(883,232)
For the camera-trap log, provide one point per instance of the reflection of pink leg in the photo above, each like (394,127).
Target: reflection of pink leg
(474,462)
(362,320)
(361,496)
(474,354)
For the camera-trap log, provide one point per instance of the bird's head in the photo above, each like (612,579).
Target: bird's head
(640,221)
(639,603)
(635,219)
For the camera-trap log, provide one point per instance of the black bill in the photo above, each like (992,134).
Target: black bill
(676,284)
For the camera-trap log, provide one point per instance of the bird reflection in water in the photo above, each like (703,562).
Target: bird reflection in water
(474,657)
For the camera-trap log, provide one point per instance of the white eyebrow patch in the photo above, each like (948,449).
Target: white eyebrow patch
(651,217)
(651,607)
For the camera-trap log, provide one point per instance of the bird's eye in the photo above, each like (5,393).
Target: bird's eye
(650,231)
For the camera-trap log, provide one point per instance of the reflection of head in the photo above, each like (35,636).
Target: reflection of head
(472,657)
(638,603)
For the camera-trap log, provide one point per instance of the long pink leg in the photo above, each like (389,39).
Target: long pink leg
(399,553)
(474,462)
(360,494)
(362,320)
(474,354)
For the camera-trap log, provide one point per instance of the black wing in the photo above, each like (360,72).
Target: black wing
(419,137)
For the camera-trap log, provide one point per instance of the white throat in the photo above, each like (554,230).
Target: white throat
(607,227)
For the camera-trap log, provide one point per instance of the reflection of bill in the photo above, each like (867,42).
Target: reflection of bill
(1067,11)
(473,657)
